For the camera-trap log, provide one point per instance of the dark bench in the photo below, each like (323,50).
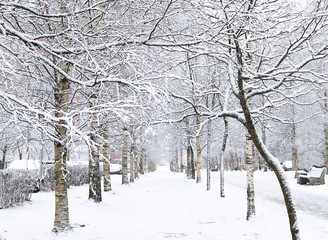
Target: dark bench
(316,176)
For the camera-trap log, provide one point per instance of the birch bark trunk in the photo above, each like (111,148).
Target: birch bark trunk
(224,144)
(294,143)
(198,150)
(94,156)
(106,157)
(192,161)
(208,157)
(181,160)
(61,97)
(188,162)
(250,177)
(132,157)
(125,179)
(176,160)
(249,161)
(141,163)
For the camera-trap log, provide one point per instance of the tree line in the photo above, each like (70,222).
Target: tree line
(105,73)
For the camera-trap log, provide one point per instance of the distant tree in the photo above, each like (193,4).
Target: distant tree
(132,157)
(125,178)
(106,163)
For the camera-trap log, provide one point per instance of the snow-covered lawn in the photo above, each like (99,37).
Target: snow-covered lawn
(165,205)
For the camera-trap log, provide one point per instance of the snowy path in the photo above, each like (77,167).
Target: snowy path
(310,199)
(161,206)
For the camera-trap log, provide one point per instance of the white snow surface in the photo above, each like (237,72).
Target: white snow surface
(164,205)
(30,164)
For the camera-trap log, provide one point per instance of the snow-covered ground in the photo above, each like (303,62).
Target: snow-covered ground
(165,205)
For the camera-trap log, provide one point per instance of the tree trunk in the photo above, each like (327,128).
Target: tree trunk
(145,163)
(232,162)
(132,157)
(176,160)
(264,139)
(141,164)
(208,157)
(192,158)
(224,144)
(249,159)
(294,144)
(181,160)
(325,125)
(106,159)
(20,153)
(198,166)
(188,162)
(3,163)
(61,97)
(136,170)
(250,177)
(326,144)
(94,150)
(125,179)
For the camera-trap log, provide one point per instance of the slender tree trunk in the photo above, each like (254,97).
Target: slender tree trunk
(188,162)
(192,158)
(132,157)
(3,163)
(141,163)
(125,179)
(94,155)
(224,144)
(94,158)
(61,97)
(145,163)
(238,162)
(198,166)
(106,158)
(20,153)
(294,144)
(208,157)
(325,125)
(136,170)
(250,177)
(264,138)
(294,150)
(176,160)
(181,160)
(249,160)
(276,167)
(326,144)
(259,162)
(28,147)
(232,162)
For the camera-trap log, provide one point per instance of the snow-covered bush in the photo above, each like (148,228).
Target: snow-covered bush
(77,176)
(16,186)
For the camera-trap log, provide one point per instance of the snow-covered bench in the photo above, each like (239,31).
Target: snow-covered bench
(316,176)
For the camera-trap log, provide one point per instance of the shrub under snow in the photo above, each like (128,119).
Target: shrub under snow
(17,186)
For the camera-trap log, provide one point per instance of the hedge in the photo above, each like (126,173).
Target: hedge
(17,186)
